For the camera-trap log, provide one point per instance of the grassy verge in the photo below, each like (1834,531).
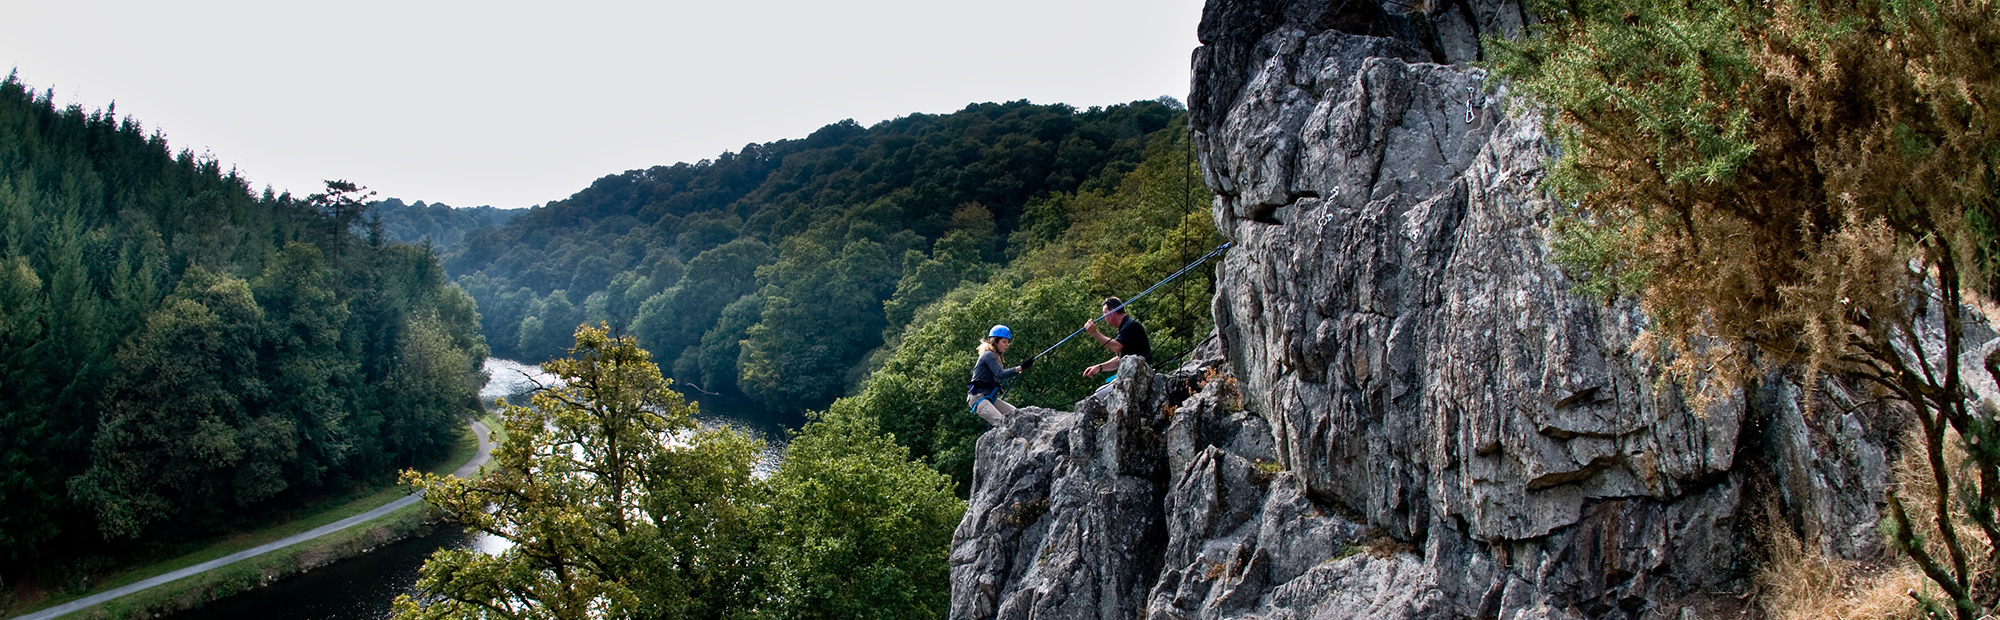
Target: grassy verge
(212,585)
(462,450)
(262,570)
(498,433)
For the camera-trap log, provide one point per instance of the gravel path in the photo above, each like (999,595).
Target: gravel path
(478,459)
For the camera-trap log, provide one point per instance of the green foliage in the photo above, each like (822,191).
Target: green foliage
(675,319)
(548,323)
(855,529)
(961,256)
(305,320)
(722,346)
(1116,241)
(1677,72)
(618,506)
(183,356)
(935,195)
(1786,181)
(821,309)
(1600,258)
(178,435)
(436,223)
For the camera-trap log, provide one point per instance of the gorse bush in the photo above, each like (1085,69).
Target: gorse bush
(1795,182)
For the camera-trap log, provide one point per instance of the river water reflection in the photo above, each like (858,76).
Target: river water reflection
(363,588)
(353,589)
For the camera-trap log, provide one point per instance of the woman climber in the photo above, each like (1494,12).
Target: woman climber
(983,394)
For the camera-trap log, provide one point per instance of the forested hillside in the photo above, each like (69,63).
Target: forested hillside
(1117,237)
(442,224)
(179,354)
(607,517)
(776,270)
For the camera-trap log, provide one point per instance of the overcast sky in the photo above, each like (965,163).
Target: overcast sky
(514,104)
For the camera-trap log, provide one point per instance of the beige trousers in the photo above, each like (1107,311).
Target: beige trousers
(993,410)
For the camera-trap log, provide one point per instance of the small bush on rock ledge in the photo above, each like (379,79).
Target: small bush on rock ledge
(1798,182)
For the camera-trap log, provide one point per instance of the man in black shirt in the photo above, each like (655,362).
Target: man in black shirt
(1131,338)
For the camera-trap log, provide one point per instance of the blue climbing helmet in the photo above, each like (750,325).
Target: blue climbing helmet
(1000,331)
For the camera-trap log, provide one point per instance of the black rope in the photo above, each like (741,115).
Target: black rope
(1170,361)
(1187,209)
(1004,385)
(1176,275)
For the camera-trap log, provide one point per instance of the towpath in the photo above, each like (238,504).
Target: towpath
(479,458)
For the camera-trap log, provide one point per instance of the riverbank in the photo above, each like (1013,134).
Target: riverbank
(397,523)
(263,570)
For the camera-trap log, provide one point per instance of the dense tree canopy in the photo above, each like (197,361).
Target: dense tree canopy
(816,234)
(439,223)
(1073,250)
(619,506)
(608,518)
(854,528)
(179,354)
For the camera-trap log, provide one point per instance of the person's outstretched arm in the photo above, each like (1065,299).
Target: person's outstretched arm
(1107,342)
(1107,365)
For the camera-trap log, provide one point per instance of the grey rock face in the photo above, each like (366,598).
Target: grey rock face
(1064,520)
(1409,414)
(1393,312)
(1138,505)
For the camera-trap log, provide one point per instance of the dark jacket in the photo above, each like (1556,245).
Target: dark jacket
(987,374)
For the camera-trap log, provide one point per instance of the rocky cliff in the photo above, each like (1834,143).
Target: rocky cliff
(1410,415)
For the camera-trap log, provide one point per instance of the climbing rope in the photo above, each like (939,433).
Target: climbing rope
(1004,385)
(1176,275)
(1170,361)
(1180,243)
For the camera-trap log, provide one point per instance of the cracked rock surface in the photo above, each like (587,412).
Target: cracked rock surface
(1408,414)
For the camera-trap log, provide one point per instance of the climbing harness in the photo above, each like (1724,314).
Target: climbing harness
(987,397)
(1143,293)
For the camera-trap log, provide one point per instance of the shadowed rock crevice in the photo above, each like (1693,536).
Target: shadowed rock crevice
(1407,413)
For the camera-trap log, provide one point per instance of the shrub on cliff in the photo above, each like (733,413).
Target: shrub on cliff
(855,529)
(1795,181)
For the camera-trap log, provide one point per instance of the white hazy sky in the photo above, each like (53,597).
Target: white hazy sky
(518,103)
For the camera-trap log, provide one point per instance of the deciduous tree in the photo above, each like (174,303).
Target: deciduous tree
(615,504)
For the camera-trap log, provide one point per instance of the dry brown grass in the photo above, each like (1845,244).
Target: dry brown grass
(1802,582)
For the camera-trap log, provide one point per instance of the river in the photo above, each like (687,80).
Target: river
(362,588)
